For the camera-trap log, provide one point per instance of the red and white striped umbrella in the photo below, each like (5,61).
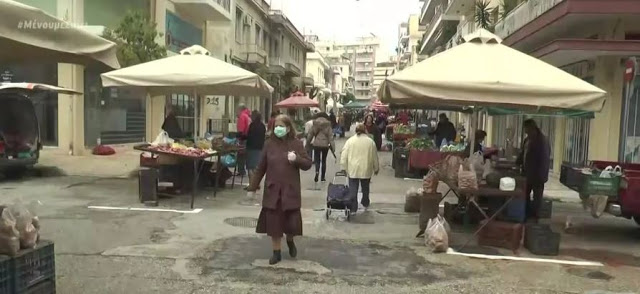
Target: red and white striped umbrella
(379,106)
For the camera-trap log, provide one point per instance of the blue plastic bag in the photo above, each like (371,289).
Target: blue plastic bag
(229,160)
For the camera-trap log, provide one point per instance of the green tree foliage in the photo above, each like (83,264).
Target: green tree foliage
(348,98)
(136,36)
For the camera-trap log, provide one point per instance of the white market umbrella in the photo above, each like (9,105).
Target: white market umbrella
(483,72)
(194,71)
(30,34)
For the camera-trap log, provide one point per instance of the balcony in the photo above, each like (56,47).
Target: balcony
(465,28)
(292,67)
(205,10)
(522,15)
(363,69)
(427,11)
(364,60)
(255,54)
(440,30)
(404,39)
(276,65)
(460,7)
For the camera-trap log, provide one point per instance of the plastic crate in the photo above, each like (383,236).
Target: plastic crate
(546,209)
(541,240)
(44,287)
(33,266)
(595,185)
(5,274)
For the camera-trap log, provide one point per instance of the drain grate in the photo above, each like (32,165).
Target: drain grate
(244,222)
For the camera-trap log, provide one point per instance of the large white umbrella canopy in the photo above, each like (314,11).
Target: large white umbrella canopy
(30,34)
(483,72)
(194,70)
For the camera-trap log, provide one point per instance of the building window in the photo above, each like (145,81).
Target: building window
(183,108)
(258,36)
(238,24)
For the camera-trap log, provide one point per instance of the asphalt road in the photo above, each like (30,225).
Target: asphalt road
(217,251)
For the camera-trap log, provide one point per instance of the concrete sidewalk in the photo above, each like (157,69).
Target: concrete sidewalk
(120,165)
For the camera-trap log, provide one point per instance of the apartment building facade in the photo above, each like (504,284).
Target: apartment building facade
(445,22)
(382,71)
(363,54)
(592,40)
(409,37)
(120,116)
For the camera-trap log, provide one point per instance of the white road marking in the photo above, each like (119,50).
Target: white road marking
(516,258)
(197,210)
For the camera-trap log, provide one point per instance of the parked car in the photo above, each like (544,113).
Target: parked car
(20,143)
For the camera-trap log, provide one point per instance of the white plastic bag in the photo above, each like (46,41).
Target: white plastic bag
(606,173)
(598,203)
(436,236)
(162,139)
(487,169)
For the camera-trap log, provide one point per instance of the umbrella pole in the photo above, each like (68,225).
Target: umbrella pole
(473,126)
(195,115)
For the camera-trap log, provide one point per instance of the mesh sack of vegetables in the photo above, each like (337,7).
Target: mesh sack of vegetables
(9,235)
(430,182)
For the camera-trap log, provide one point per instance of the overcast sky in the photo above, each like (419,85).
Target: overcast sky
(348,19)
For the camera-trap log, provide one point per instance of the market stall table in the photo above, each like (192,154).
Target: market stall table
(469,195)
(198,163)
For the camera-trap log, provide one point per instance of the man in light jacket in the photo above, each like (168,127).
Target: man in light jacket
(359,159)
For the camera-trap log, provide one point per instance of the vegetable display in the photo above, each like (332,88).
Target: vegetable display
(402,130)
(421,144)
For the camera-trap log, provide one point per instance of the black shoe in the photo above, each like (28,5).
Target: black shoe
(323,180)
(315,179)
(293,251)
(276,257)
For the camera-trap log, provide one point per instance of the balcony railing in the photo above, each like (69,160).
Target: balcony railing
(276,61)
(226,4)
(465,28)
(257,49)
(522,15)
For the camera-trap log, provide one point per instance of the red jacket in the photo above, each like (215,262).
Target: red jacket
(244,120)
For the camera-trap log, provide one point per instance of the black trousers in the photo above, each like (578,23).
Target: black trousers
(533,205)
(320,160)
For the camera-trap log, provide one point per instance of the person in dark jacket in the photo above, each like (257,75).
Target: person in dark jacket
(535,161)
(281,161)
(255,141)
(171,125)
(444,131)
(479,138)
(373,130)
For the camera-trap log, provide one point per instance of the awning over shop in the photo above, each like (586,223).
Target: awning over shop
(567,51)
(357,104)
(28,34)
(561,113)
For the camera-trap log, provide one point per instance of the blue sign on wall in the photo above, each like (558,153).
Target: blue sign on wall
(180,34)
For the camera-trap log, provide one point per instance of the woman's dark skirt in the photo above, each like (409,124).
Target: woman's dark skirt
(276,222)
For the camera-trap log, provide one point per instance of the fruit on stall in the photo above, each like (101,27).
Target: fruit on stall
(179,149)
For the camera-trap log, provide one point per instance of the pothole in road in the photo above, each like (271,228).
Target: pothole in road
(589,274)
(353,262)
(243,222)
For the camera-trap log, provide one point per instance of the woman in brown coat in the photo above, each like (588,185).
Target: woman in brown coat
(282,159)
